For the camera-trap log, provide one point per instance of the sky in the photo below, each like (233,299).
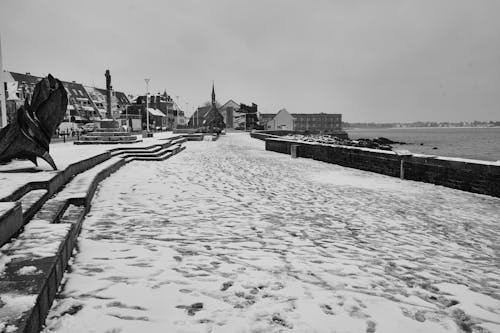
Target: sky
(371,61)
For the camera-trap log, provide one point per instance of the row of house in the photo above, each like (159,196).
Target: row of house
(89,104)
(162,112)
(311,122)
(245,117)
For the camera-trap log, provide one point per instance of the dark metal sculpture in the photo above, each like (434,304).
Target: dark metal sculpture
(28,137)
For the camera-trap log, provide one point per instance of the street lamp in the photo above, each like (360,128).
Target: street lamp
(147,111)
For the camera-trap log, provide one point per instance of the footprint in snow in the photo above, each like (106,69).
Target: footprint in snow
(226,285)
(191,309)
(370,326)
(278,320)
(117,304)
(327,309)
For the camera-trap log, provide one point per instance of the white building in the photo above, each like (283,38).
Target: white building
(282,121)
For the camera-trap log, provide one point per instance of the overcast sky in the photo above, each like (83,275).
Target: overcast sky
(381,61)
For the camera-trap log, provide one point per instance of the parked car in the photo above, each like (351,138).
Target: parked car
(89,127)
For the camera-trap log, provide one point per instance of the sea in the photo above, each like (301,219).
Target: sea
(464,142)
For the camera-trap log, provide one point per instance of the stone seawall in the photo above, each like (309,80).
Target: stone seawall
(468,175)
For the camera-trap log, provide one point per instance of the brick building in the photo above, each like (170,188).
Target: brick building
(318,122)
(311,122)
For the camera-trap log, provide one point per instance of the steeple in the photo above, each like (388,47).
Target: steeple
(213,94)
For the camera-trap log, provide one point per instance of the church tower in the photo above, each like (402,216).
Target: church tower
(213,95)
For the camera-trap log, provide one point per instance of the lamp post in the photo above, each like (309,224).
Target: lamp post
(147,111)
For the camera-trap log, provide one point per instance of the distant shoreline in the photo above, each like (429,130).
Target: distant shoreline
(424,127)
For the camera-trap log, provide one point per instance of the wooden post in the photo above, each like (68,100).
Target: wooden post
(293,151)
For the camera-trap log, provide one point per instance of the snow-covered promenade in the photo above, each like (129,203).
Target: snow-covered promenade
(227,237)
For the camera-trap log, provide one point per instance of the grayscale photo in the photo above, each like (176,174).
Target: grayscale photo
(237,166)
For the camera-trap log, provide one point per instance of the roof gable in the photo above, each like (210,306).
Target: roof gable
(284,112)
(229,104)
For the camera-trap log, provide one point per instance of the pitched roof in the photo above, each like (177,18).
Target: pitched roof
(202,111)
(122,98)
(28,78)
(230,103)
(285,111)
(156,112)
(76,90)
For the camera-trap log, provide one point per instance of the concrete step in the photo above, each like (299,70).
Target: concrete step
(34,265)
(78,190)
(31,203)
(193,137)
(137,150)
(11,220)
(107,133)
(105,142)
(108,138)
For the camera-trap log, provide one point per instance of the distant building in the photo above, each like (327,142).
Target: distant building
(318,122)
(85,103)
(80,104)
(98,99)
(247,116)
(80,107)
(228,111)
(139,117)
(283,120)
(207,116)
(119,102)
(312,122)
(197,118)
(264,118)
(179,116)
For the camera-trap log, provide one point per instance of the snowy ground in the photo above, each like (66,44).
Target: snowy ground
(226,237)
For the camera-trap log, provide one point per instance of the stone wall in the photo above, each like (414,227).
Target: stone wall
(467,175)
(262,134)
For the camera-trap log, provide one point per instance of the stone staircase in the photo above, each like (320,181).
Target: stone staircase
(107,136)
(39,226)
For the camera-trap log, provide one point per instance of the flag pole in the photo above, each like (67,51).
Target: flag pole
(3,105)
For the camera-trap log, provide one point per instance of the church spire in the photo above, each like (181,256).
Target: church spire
(213,94)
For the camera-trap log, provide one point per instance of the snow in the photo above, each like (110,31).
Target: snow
(15,174)
(6,206)
(27,270)
(14,304)
(227,237)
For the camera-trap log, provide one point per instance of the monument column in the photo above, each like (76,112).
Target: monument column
(109,115)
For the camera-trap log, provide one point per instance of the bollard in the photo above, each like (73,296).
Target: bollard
(402,153)
(402,170)
(293,151)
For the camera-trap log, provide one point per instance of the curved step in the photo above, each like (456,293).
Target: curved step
(31,266)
